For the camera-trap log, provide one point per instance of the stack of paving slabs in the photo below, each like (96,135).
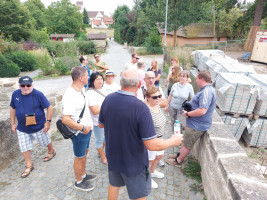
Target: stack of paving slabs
(261,104)
(256,133)
(236,93)
(202,56)
(235,125)
(227,64)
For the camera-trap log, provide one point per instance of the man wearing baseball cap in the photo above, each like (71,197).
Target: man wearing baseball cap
(27,105)
(109,85)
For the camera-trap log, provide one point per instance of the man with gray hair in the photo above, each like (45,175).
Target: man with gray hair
(73,103)
(129,132)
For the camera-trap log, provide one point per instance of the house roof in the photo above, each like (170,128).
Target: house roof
(97,36)
(63,35)
(108,20)
(96,22)
(92,14)
(194,30)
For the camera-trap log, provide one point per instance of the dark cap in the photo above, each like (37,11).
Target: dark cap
(25,80)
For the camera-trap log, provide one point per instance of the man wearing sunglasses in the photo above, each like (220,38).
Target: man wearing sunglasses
(133,63)
(27,105)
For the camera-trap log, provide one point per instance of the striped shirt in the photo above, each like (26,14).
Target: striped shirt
(159,121)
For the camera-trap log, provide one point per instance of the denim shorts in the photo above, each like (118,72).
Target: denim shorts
(99,137)
(81,144)
(137,186)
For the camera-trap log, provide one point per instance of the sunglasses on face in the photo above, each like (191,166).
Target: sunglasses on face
(137,58)
(156,97)
(25,86)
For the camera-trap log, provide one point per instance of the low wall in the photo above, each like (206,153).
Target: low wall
(227,172)
(9,147)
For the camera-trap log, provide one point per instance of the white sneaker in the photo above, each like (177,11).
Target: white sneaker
(161,163)
(157,174)
(154,185)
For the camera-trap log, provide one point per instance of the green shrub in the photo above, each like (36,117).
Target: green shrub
(44,61)
(153,42)
(8,68)
(63,65)
(86,47)
(40,37)
(60,49)
(23,59)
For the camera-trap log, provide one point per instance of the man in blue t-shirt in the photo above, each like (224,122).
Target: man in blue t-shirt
(199,120)
(84,63)
(129,132)
(27,105)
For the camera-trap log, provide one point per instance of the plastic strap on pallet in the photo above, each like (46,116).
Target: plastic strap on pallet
(260,132)
(239,126)
(249,101)
(233,98)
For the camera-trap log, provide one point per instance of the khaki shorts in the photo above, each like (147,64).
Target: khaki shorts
(191,136)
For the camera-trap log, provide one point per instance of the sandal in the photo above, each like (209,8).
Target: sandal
(26,172)
(49,156)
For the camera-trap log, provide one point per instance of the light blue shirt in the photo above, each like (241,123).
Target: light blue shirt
(180,93)
(205,98)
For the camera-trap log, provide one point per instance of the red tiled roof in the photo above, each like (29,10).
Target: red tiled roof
(108,20)
(97,36)
(96,22)
(63,35)
(92,14)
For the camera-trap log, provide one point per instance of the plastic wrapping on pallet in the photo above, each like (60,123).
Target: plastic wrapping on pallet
(256,133)
(202,56)
(235,125)
(261,103)
(236,93)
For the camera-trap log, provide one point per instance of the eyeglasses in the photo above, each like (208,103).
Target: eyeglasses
(150,78)
(99,79)
(183,76)
(136,58)
(25,86)
(97,57)
(156,97)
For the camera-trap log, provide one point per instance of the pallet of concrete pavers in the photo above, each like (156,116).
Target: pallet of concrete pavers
(235,115)
(227,64)
(255,135)
(261,103)
(202,56)
(235,93)
(235,125)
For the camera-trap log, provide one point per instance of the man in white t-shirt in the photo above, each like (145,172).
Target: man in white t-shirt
(150,81)
(133,63)
(110,86)
(73,103)
(141,72)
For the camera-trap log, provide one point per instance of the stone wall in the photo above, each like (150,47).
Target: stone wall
(227,172)
(9,147)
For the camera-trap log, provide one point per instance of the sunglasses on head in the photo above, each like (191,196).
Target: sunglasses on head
(25,86)
(156,97)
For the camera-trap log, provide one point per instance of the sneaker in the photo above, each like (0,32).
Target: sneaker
(84,186)
(161,163)
(157,174)
(154,185)
(89,177)
(173,162)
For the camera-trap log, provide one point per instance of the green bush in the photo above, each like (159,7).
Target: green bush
(86,47)
(8,68)
(23,59)
(60,49)
(153,42)
(44,60)
(63,65)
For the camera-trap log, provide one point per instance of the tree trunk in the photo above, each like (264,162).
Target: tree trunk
(255,26)
(174,38)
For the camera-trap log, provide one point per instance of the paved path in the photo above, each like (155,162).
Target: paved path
(55,179)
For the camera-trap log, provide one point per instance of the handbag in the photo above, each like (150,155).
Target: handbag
(187,106)
(66,131)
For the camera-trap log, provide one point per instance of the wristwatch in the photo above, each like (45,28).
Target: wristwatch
(84,127)
(49,120)
(187,115)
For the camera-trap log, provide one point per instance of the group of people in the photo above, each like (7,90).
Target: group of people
(127,121)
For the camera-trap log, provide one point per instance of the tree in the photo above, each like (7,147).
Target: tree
(153,42)
(37,10)
(63,17)
(85,17)
(15,20)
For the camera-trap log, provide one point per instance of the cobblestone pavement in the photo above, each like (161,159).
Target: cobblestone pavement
(55,179)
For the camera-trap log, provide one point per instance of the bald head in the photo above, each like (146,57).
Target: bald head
(129,78)
(149,79)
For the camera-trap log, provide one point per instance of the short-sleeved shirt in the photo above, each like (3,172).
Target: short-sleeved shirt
(127,123)
(35,102)
(73,103)
(110,88)
(180,93)
(159,121)
(95,99)
(130,65)
(205,98)
(89,74)
(156,74)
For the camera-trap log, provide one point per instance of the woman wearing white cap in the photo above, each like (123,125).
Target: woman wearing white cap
(109,85)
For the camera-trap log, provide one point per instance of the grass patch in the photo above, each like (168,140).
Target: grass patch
(254,156)
(193,169)
(46,77)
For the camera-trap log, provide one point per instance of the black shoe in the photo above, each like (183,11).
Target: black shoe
(84,186)
(89,177)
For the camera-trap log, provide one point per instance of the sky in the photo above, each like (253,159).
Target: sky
(108,6)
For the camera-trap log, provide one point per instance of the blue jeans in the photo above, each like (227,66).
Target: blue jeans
(81,144)
(99,136)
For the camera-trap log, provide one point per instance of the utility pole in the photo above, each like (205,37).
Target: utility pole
(165,32)
(214,30)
